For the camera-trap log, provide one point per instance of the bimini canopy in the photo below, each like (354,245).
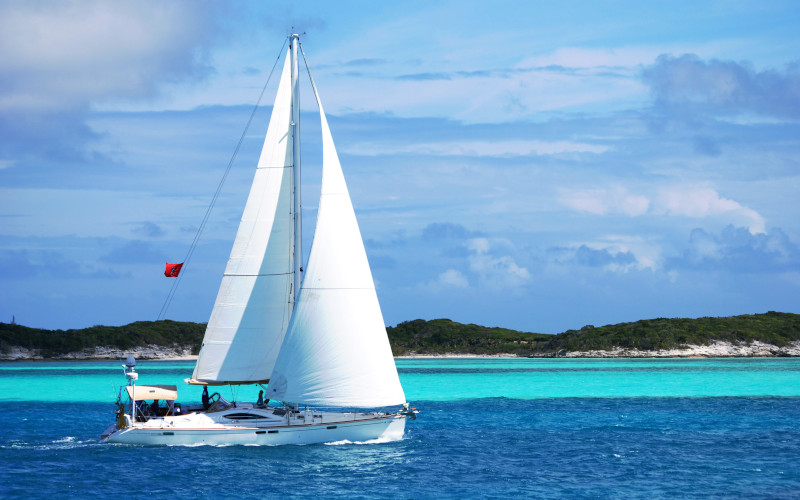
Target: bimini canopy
(165,392)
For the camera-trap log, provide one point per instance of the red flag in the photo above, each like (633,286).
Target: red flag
(172,270)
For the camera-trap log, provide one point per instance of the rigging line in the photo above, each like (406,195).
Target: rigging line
(313,86)
(214,198)
(319,106)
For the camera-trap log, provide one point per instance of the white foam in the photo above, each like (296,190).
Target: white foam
(384,439)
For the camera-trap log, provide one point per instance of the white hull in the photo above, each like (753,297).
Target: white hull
(219,428)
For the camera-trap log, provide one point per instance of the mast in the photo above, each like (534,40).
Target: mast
(298,218)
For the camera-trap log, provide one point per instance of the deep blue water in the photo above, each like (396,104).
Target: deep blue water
(493,447)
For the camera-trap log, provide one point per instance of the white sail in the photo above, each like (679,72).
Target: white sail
(252,309)
(336,351)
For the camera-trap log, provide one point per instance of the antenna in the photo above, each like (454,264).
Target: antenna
(292,32)
(130,373)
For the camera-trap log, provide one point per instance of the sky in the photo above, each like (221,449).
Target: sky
(532,165)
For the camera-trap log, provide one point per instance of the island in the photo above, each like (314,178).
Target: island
(769,334)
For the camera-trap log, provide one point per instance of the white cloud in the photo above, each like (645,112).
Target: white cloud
(648,252)
(688,87)
(576,57)
(682,201)
(486,269)
(706,202)
(703,246)
(479,245)
(495,272)
(63,55)
(453,278)
(613,252)
(616,200)
(477,148)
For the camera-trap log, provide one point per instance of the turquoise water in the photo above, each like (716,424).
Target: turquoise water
(488,428)
(451,379)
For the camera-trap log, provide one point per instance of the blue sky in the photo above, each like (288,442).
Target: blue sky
(520,164)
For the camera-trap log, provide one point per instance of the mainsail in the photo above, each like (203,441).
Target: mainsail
(253,305)
(336,351)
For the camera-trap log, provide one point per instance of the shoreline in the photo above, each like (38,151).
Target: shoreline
(106,353)
(718,349)
(183,353)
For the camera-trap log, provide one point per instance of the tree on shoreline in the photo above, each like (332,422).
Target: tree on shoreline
(440,336)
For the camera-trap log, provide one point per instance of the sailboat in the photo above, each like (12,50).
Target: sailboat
(310,337)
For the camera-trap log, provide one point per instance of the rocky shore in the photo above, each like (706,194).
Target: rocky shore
(163,353)
(184,353)
(713,350)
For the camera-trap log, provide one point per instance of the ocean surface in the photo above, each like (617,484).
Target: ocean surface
(488,428)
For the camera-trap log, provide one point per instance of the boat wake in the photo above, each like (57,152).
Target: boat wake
(65,443)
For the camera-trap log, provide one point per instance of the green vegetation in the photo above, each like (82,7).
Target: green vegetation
(662,333)
(442,335)
(445,336)
(55,343)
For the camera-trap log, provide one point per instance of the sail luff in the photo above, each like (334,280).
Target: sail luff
(251,312)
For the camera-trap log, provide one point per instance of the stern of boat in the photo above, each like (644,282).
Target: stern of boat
(111,429)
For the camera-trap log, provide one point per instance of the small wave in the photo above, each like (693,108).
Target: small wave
(14,445)
(194,445)
(368,441)
(67,443)
(337,443)
(212,445)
